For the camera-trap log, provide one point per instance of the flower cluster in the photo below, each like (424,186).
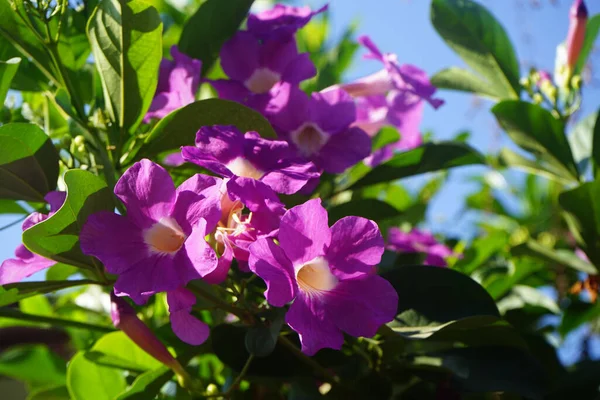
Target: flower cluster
(170,236)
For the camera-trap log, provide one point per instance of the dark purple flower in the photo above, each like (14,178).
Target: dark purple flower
(229,153)
(159,246)
(256,68)
(417,241)
(178,82)
(25,262)
(281,21)
(320,128)
(328,272)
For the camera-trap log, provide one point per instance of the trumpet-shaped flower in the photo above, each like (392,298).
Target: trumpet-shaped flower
(328,273)
(257,67)
(159,246)
(578,16)
(418,241)
(229,153)
(281,21)
(178,82)
(25,262)
(319,127)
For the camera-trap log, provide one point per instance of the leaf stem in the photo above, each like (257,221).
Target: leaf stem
(66,323)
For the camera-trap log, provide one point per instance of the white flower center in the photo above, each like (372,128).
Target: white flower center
(242,167)
(315,277)
(165,236)
(262,80)
(309,139)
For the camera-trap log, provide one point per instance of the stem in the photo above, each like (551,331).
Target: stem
(241,314)
(235,383)
(318,368)
(13,223)
(67,323)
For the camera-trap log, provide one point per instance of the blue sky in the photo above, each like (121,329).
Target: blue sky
(403,27)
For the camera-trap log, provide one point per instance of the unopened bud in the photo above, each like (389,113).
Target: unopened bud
(576,82)
(576,35)
(537,98)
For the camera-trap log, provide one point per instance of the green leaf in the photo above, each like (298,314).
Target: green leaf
(581,138)
(592,27)
(534,129)
(509,158)
(481,250)
(578,313)
(582,205)
(464,81)
(126,38)
(433,296)
(522,296)
(596,146)
(11,207)
(374,209)
(206,31)
(179,127)
(261,339)
(117,350)
(479,39)
(429,157)
(8,69)
(36,365)
(387,135)
(28,162)
(147,385)
(55,393)
(14,292)
(57,238)
(558,256)
(85,377)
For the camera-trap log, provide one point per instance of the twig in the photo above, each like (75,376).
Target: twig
(15,314)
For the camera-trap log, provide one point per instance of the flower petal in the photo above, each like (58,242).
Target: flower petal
(15,270)
(239,56)
(289,108)
(360,306)
(268,261)
(356,245)
(187,328)
(191,203)
(219,274)
(333,110)
(304,233)
(307,316)
(114,240)
(215,146)
(344,150)
(202,258)
(300,69)
(147,191)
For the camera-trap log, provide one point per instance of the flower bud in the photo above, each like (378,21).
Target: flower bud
(125,318)
(576,35)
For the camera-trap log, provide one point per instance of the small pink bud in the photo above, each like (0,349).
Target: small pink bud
(125,318)
(577,21)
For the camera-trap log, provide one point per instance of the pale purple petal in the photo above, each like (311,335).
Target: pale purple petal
(26,264)
(188,328)
(239,56)
(378,83)
(33,219)
(292,178)
(215,146)
(114,240)
(333,110)
(219,274)
(304,233)
(289,109)
(191,205)
(268,261)
(437,254)
(202,257)
(360,306)
(344,150)
(356,245)
(299,69)
(316,329)
(147,191)
(415,79)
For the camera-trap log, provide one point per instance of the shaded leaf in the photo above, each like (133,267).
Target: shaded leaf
(592,27)
(147,385)
(8,69)
(558,256)
(85,377)
(13,292)
(464,81)
(373,209)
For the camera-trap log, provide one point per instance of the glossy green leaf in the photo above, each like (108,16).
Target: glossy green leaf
(596,146)
(509,158)
(37,365)
(147,385)
(373,209)
(11,207)
(581,138)
(536,130)
(582,205)
(479,39)
(57,238)
(464,81)
(8,69)
(429,157)
(179,127)
(119,351)
(28,162)
(592,28)
(126,42)
(387,135)
(526,296)
(55,393)
(432,296)
(212,24)
(13,292)
(557,256)
(85,377)
(577,314)
(261,338)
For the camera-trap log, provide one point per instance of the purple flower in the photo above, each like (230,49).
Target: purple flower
(256,67)
(320,128)
(575,37)
(282,21)
(25,262)
(178,82)
(159,246)
(328,272)
(417,241)
(229,153)
(187,327)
